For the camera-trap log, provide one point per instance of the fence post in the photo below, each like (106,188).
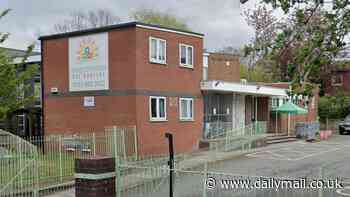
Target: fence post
(19,144)
(36,174)
(205,179)
(320,174)
(60,156)
(171,163)
(136,143)
(117,163)
(94,143)
(124,143)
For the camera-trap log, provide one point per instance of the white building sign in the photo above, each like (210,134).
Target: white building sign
(88,62)
(89,101)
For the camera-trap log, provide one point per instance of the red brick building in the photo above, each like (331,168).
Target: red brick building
(339,82)
(126,74)
(157,79)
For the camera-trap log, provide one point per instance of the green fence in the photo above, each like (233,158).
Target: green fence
(31,166)
(239,139)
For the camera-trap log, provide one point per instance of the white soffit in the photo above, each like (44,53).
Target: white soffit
(221,86)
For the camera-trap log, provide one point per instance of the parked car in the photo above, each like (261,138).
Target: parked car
(344,126)
(73,144)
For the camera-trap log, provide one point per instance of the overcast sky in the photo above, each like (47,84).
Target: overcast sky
(220,20)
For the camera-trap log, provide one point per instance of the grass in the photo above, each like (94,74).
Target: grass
(47,169)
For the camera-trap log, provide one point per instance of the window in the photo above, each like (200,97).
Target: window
(205,67)
(21,118)
(337,80)
(157,50)
(186,55)
(186,109)
(157,107)
(275,103)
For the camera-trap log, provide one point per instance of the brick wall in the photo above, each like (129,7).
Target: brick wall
(132,80)
(173,79)
(224,67)
(67,113)
(331,89)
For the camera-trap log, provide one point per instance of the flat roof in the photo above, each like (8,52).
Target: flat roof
(119,26)
(242,88)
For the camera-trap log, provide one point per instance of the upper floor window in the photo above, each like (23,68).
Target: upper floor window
(186,55)
(205,67)
(337,80)
(157,107)
(186,109)
(157,50)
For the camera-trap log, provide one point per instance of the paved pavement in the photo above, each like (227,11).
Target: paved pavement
(329,158)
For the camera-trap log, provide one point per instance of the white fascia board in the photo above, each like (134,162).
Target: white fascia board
(221,86)
(169,30)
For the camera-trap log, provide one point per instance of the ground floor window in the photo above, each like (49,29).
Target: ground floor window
(157,108)
(186,109)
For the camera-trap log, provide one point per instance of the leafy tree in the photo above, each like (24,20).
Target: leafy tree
(79,20)
(151,16)
(256,74)
(305,48)
(13,80)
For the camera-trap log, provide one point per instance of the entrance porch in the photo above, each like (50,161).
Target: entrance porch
(229,106)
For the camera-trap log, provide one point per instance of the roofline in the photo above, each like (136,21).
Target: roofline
(119,26)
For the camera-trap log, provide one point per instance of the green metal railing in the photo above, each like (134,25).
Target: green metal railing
(241,138)
(29,167)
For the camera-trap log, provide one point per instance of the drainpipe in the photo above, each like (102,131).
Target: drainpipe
(256,109)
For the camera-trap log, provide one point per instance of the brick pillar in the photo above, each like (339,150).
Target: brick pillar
(95,177)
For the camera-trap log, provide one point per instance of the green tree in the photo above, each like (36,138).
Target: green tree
(256,74)
(13,80)
(80,20)
(305,48)
(155,17)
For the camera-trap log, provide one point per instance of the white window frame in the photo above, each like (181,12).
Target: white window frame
(180,109)
(334,80)
(158,118)
(187,64)
(157,60)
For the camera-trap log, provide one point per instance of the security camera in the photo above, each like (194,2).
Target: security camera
(243,1)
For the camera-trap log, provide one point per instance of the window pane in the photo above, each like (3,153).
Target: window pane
(37,90)
(161,50)
(161,108)
(190,115)
(153,49)
(189,55)
(183,55)
(154,107)
(183,109)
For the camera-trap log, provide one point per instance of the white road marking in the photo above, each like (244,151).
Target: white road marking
(340,191)
(308,150)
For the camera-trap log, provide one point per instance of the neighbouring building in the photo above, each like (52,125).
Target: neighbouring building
(339,82)
(26,121)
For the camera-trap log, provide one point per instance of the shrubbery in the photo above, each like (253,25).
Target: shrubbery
(334,107)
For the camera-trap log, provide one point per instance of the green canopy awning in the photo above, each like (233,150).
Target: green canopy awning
(291,108)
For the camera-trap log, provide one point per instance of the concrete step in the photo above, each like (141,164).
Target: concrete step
(280,139)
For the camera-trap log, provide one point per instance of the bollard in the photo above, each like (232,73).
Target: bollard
(95,177)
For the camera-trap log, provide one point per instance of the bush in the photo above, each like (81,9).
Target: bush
(334,107)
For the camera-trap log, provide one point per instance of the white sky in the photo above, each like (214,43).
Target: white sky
(220,20)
